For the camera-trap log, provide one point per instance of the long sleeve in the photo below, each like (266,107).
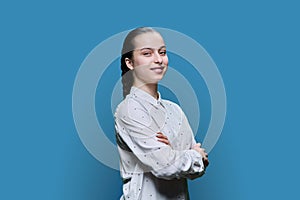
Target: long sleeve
(138,127)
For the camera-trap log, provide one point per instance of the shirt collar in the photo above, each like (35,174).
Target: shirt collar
(139,93)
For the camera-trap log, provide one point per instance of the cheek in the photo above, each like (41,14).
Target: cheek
(166,60)
(141,69)
(140,61)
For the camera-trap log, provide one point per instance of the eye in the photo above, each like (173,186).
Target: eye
(146,53)
(163,53)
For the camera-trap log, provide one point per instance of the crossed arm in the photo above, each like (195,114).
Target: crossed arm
(197,147)
(154,150)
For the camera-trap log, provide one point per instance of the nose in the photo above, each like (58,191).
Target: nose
(157,58)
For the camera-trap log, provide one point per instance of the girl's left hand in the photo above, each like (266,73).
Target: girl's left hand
(204,155)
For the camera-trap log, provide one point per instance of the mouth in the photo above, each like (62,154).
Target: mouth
(157,69)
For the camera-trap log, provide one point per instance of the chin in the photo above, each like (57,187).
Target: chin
(154,81)
(158,79)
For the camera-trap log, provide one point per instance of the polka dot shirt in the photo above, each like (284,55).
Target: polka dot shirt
(152,170)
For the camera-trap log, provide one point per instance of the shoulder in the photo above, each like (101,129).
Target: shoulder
(172,106)
(132,110)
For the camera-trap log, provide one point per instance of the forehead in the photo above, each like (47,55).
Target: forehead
(148,40)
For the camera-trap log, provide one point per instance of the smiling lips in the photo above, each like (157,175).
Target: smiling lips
(157,69)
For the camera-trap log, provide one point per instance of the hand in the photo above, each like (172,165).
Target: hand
(197,147)
(162,138)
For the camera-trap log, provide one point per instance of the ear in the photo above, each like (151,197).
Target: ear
(129,63)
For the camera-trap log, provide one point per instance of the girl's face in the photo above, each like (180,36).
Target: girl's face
(150,61)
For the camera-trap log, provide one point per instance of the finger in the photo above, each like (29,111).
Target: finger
(164,141)
(160,133)
(197,145)
(161,136)
(202,149)
(205,159)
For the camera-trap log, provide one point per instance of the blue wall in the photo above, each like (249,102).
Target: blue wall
(255,45)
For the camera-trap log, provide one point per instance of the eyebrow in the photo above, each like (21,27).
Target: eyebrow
(145,48)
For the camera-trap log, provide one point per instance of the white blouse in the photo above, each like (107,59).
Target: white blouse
(151,169)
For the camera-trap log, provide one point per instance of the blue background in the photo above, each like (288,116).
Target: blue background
(255,45)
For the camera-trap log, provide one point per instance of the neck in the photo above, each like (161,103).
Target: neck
(149,88)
